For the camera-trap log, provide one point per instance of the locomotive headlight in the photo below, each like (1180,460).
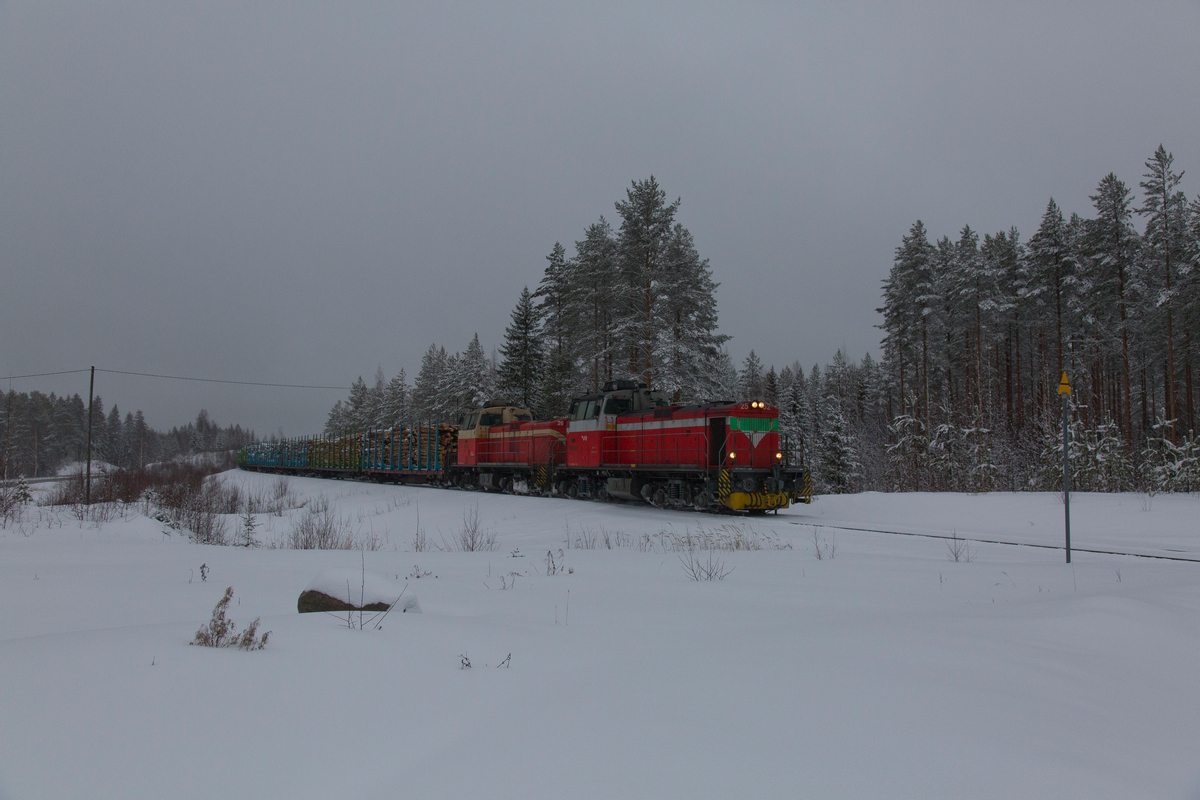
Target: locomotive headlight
(779,455)
(733,455)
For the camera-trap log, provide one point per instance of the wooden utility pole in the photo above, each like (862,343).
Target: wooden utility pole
(87,487)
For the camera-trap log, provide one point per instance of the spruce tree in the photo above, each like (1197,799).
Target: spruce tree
(144,446)
(476,385)
(373,414)
(724,380)
(520,372)
(337,423)
(646,225)
(750,380)
(396,406)
(838,454)
(112,438)
(358,406)
(771,387)
(559,330)
(688,336)
(428,383)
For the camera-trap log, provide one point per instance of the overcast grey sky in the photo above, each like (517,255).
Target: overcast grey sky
(301,192)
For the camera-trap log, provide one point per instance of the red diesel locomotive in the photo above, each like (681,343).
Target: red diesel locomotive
(626,442)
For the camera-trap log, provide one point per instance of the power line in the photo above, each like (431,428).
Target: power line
(179,378)
(43,374)
(219,380)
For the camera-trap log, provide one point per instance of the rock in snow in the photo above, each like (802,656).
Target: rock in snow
(354,590)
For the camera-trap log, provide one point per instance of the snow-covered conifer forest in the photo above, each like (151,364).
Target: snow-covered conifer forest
(976,333)
(43,433)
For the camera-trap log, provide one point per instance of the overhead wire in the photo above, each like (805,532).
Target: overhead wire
(177,378)
(222,380)
(44,374)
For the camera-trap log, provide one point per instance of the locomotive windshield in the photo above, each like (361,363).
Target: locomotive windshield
(585,408)
(491,418)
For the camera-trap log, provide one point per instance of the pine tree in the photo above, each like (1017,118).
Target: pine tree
(1189,295)
(1002,255)
(1113,245)
(909,298)
(968,283)
(597,301)
(1166,230)
(520,372)
(1050,275)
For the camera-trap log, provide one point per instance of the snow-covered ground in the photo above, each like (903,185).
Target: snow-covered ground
(887,670)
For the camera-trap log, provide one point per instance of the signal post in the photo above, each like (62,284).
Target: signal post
(1064,391)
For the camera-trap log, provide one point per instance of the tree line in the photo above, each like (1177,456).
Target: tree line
(977,332)
(41,433)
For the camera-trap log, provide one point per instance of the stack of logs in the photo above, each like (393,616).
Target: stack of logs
(408,446)
(447,438)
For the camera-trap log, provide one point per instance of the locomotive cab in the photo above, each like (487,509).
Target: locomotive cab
(474,426)
(592,420)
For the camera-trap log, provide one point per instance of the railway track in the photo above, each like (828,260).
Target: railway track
(973,540)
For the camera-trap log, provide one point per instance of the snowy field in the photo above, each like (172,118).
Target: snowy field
(883,669)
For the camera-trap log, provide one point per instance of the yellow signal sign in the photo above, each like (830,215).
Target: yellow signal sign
(1064,386)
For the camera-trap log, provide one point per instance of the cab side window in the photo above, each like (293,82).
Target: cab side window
(618,405)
